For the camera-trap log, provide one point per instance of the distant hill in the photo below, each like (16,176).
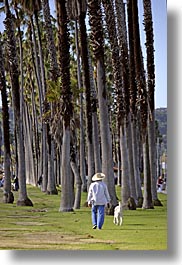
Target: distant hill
(161,117)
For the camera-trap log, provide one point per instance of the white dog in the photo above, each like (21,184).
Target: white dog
(118,216)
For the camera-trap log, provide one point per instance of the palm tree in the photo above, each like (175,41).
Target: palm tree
(95,20)
(148,25)
(32,8)
(133,98)
(77,10)
(141,84)
(8,196)
(82,134)
(29,156)
(54,74)
(54,69)
(119,82)
(86,78)
(94,103)
(66,105)
(23,199)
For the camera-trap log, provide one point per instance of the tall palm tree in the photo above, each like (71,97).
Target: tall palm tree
(120,85)
(23,199)
(29,157)
(54,74)
(54,68)
(133,98)
(36,7)
(95,20)
(141,84)
(77,11)
(86,79)
(148,25)
(82,134)
(96,134)
(66,105)
(32,8)
(8,196)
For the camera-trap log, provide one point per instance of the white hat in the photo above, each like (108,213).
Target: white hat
(98,176)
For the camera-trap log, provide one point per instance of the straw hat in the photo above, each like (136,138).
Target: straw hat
(98,176)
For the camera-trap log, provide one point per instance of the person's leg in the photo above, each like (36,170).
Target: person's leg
(100,217)
(94,215)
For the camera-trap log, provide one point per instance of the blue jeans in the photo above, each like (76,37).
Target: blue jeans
(98,215)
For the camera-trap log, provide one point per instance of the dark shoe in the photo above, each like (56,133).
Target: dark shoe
(94,227)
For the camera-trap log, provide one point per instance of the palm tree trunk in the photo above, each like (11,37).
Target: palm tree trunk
(147,201)
(36,137)
(78,184)
(142,90)
(124,107)
(82,148)
(125,191)
(67,108)
(82,135)
(29,152)
(86,80)
(77,177)
(66,204)
(130,159)
(44,126)
(42,158)
(96,134)
(8,196)
(148,24)
(135,149)
(51,184)
(23,199)
(133,106)
(54,74)
(106,145)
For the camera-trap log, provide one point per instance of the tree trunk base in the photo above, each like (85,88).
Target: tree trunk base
(157,202)
(8,197)
(149,206)
(110,210)
(131,203)
(26,202)
(84,188)
(52,192)
(140,202)
(66,210)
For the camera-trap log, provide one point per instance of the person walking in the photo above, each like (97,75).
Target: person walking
(98,197)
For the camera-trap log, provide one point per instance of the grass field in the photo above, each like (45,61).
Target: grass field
(43,227)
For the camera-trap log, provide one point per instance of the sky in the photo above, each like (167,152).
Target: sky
(159,15)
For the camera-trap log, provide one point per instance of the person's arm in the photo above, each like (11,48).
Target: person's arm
(89,197)
(108,198)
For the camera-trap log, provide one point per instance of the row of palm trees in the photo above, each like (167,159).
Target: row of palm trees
(81,97)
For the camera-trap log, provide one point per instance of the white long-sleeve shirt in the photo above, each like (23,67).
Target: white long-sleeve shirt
(98,193)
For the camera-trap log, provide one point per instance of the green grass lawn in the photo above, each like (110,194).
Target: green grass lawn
(43,227)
